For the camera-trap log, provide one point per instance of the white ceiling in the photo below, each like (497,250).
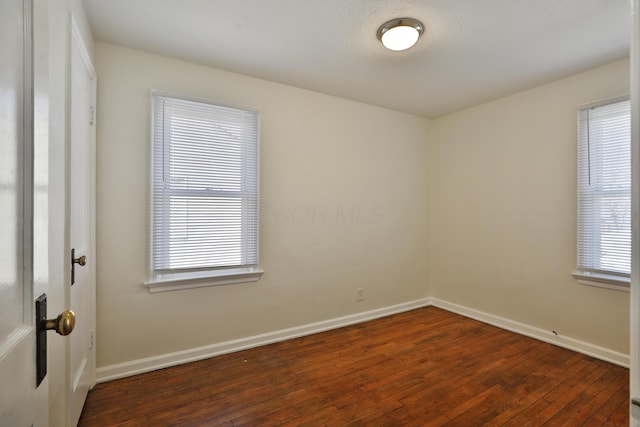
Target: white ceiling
(472,50)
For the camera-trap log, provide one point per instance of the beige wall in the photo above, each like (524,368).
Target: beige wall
(503,219)
(344,206)
(476,208)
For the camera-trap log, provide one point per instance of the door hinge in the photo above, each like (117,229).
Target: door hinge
(92,113)
(92,337)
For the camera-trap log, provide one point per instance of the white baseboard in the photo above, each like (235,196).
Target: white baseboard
(134,367)
(537,333)
(126,369)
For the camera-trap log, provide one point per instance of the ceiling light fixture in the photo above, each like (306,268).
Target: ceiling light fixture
(400,33)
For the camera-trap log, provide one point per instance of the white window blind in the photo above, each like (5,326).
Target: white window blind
(205,187)
(604,190)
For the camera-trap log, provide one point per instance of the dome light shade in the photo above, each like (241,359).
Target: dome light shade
(400,34)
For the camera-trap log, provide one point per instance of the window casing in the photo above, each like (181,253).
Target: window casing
(204,195)
(604,195)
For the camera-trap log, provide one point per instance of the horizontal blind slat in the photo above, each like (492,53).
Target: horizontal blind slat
(205,189)
(604,189)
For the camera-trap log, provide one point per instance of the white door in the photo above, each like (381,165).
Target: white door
(22,402)
(81,227)
(635,262)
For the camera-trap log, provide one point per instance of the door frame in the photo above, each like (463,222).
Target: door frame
(634,339)
(76,41)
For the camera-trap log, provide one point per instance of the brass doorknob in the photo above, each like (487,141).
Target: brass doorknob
(82,260)
(63,324)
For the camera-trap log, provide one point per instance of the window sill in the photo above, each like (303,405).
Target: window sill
(189,281)
(602,280)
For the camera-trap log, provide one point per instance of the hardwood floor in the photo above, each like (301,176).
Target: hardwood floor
(420,368)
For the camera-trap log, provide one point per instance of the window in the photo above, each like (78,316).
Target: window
(204,194)
(604,195)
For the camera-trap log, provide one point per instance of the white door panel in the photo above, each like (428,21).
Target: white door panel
(21,403)
(81,228)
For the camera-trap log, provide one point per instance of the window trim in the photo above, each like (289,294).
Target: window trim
(159,281)
(178,281)
(618,282)
(608,281)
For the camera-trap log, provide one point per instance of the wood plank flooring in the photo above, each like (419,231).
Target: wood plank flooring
(426,367)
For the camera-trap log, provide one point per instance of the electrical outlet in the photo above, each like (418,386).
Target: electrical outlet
(360,294)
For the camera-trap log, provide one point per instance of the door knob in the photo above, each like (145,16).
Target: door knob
(63,324)
(81,261)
